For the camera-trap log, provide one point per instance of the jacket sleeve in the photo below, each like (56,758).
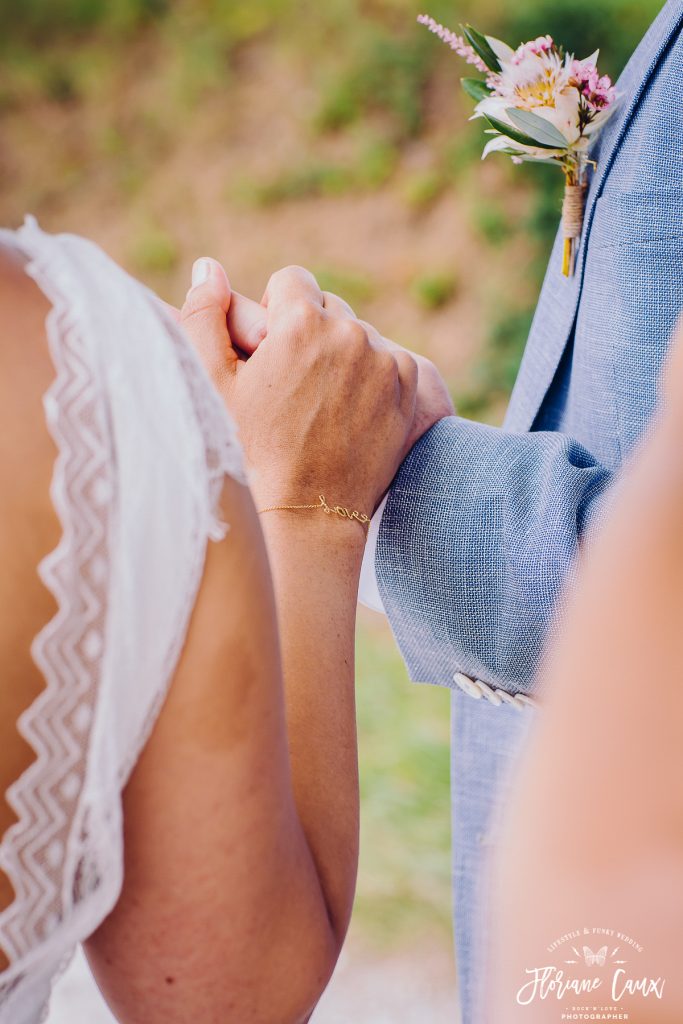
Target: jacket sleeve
(479,535)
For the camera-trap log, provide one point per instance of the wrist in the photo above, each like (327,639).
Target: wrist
(311,536)
(271,490)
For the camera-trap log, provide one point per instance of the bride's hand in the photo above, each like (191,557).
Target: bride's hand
(247,328)
(322,407)
(433,401)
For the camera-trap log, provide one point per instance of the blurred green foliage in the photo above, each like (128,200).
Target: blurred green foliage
(356,289)
(154,251)
(495,370)
(375,164)
(46,22)
(423,188)
(492,221)
(388,74)
(372,166)
(303,182)
(435,290)
(405,791)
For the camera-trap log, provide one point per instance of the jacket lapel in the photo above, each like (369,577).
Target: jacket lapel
(559,301)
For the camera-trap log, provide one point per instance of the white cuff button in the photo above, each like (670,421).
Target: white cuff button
(468,686)
(477,688)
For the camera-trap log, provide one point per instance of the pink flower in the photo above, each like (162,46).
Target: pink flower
(544,44)
(455,42)
(598,92)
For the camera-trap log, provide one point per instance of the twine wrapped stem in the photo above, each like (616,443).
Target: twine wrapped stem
(572,221)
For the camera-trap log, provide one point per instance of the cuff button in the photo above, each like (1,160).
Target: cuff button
(467,686)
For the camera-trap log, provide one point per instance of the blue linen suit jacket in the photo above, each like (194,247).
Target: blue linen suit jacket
(482,525)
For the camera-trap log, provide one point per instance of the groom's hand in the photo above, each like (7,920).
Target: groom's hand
(324,406)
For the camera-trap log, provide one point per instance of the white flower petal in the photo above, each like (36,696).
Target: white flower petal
(528,70)
(600,120)
(503,52)
(564,115)
(593,59)
(500,142)
(493,106)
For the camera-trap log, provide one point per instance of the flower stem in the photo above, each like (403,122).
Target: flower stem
(572,213)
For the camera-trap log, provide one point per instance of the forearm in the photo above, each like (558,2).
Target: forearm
(315,561)
(214,841)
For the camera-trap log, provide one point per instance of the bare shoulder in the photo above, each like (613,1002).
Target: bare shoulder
(26,371)
(23,309)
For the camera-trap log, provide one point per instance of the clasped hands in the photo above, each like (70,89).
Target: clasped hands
(324,403)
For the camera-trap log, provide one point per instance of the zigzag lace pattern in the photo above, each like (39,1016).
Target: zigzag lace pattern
(44,854)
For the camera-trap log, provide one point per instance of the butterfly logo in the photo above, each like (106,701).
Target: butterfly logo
(592,959)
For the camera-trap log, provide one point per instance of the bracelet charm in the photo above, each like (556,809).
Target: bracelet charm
(337,510)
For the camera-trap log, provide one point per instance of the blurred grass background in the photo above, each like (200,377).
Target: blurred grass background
(267,132)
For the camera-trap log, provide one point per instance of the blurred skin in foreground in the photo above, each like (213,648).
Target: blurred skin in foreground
(594,828)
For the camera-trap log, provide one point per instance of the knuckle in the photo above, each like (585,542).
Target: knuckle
(298,271)
(407,365)
(256,334)
(304,312)
(336,302)
(425,365)
(431,373)
(387,363)
(352,335)
(195,307)
(289,274)
(385,376)
(283,272)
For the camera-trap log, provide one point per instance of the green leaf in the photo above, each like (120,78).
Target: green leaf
(481,47)
(511,133)
(542,131)
(475,88)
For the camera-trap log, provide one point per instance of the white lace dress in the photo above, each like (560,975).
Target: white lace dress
(143,447)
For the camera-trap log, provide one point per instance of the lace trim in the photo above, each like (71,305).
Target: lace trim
(35,851)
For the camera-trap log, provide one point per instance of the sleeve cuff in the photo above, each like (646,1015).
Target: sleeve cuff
(368,590)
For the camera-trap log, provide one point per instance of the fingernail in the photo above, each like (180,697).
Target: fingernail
(200,271)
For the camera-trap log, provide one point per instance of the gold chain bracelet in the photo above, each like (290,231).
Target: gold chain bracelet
(329,510)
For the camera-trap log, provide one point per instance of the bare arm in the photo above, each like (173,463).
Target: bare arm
(595,829)
(242,816)
(223,915)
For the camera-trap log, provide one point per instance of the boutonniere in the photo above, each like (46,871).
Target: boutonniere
(541,105)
